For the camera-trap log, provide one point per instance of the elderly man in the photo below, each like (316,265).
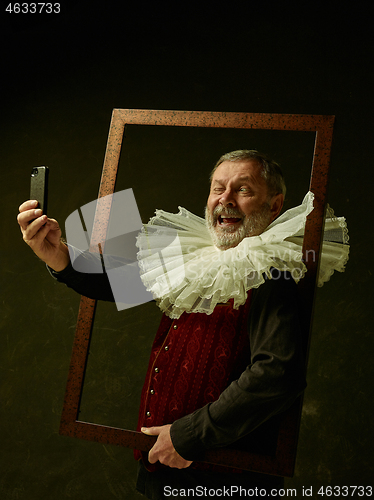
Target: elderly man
(219,377)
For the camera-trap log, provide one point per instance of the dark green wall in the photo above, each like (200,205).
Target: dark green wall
(61,79)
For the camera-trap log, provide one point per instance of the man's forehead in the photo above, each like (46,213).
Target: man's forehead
(244,171)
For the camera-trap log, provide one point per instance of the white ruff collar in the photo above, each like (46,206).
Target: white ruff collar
(186,272)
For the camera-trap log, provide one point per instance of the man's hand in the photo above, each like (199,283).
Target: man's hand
(43,235)
(163,450)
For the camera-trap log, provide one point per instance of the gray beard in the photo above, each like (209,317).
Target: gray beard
(225,238)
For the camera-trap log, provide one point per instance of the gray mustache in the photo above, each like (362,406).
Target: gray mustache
(228,211)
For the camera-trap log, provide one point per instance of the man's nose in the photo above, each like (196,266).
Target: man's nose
(227,199)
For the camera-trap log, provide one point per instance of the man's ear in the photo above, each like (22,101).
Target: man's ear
(276,204)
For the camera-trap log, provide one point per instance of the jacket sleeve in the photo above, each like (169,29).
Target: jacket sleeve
(111,278)
(271,382)
(92,281)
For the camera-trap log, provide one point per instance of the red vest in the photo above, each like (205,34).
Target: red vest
(193,359)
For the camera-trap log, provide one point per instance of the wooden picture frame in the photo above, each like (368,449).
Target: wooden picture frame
(282,461)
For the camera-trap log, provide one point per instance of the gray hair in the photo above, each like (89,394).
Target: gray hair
(270,170)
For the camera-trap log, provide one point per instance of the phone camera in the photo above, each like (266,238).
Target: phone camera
(34,171)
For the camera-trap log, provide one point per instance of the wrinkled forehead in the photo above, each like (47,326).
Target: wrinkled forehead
(245,171)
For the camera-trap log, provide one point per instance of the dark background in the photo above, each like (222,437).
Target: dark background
(62,75)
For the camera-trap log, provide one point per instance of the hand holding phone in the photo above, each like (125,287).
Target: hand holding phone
(42,234)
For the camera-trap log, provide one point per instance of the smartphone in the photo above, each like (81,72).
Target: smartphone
(39,187)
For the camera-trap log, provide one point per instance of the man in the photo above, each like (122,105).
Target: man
(214,379)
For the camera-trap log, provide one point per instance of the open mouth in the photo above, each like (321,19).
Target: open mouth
(228,221)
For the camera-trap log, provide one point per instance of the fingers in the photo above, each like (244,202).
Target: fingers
(31,218)
(26,217)
(42,235)
(27,205)
(28,211)
(163,450)
(36,230)
(152,454)
(151,431)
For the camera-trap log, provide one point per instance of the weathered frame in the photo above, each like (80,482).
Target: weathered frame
(283,461)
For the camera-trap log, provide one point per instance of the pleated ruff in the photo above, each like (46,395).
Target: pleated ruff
(186,272)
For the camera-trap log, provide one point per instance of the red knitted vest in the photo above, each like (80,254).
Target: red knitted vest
(193,359)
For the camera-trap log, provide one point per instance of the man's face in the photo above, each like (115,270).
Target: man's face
(238,204)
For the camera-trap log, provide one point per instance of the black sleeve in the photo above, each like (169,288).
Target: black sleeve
(273,379)
(91,284)
(111,278)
